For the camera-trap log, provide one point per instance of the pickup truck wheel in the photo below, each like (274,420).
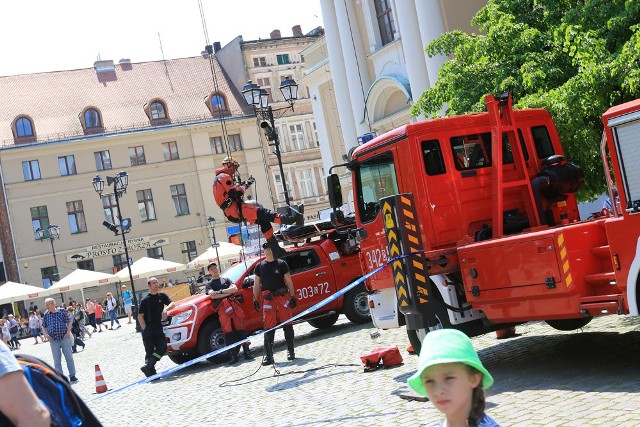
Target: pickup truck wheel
(325,321)
(211,338)
(569,324)
(180,358)
(356,305)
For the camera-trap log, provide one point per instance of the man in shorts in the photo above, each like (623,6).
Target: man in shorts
(127,299)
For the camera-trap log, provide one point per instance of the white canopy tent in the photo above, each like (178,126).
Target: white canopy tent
(228,253)
(80,279)
(148,267)
(11,292)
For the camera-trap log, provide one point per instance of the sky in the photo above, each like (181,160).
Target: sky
(41,36)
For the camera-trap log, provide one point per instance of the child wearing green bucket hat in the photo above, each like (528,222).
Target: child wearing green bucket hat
(452,376)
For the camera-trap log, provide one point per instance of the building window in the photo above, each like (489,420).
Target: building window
(297,136)
(283,59)
(235,143)
(280,189)
(145,205)
(136,155)
(103,160)
(218,102)
(265,83)
(92,119)
(86,265)
(189,248)
(216,145)
(31,170)
(315,134)
(179,196)
(306,183)
(119,262)
(67,165)
(24,127)
(260,61)
(3,273)
(386,23)
(170,151)
(155,253)
(110,209)
(39,218)
(157,111)
(49,275)
(75,214)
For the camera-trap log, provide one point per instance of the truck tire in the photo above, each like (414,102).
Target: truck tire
(180,358)
(569,324)
(416,336)
(356,305)
(211,338)
(324,322)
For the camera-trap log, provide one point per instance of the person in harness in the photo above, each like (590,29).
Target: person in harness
(229,197)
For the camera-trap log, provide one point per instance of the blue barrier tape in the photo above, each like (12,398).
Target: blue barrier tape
(311,309)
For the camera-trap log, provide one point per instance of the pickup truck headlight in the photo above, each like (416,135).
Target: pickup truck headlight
(181,317)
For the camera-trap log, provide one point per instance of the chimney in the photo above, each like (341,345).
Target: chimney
(216,47)
(125,64)
(297,31)
(275,34)
(104,66)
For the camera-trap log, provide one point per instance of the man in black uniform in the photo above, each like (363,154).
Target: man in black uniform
(153,308)
(230,313)
(274,282)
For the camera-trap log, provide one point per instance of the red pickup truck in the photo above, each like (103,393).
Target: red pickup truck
(319,268)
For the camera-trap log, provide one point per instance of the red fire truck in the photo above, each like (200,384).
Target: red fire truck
(479,213)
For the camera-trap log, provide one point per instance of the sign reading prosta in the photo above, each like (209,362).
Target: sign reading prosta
(116,248)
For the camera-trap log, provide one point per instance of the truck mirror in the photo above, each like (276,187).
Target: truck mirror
(335,191)
(247,282)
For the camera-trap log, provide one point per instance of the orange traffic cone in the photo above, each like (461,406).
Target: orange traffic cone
(101,385)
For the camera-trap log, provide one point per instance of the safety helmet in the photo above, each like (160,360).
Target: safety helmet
(230,161)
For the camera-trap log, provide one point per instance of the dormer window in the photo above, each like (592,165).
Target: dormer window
(217,104)
(156,110)
(23,129)
(217,101)
(91,121)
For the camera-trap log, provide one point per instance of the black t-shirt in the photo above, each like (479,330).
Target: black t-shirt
(217,285)
(271,274)
(152,305)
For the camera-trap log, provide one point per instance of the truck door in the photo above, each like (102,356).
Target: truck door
(313,279)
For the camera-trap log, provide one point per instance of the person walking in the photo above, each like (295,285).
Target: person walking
(230,313)
(127,300)
(98,307)
(112,305)
(76,334)
(229,197)
(34,326)
(274,286)
(90,310)
(14,327)
(57,325)
(153,308)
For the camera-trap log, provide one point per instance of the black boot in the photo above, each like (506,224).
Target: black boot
(268,348)
(276,250)
(229,338)
(288,336)
(149,368)
(242,335)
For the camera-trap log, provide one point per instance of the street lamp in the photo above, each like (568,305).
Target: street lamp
(259,98)
(52,233)
(212,225)
(119,183)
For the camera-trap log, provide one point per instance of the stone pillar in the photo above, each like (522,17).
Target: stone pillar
(339,74)
(431,26)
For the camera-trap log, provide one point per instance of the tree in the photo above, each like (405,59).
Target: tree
(575,58)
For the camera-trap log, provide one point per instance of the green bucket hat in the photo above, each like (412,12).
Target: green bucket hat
(447,346)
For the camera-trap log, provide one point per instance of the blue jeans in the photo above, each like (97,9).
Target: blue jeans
(58,348)
(113,317)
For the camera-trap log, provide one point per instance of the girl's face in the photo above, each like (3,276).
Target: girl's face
(450,387)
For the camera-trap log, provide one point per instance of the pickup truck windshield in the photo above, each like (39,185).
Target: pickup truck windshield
(376,178)
(235,272)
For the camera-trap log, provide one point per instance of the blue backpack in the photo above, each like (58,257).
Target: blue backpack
(55,392)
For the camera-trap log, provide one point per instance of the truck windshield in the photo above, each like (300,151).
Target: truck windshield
(375,178)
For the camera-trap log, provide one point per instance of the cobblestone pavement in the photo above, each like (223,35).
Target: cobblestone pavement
(543,378)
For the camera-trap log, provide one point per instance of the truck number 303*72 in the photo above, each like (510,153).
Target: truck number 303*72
(310,291)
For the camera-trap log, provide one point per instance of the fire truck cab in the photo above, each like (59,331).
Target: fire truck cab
(492,200)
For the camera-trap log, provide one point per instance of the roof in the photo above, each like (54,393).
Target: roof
(54,100)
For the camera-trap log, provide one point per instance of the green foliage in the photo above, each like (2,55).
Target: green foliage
(575,58)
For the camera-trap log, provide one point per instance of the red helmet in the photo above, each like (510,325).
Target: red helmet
(230,161)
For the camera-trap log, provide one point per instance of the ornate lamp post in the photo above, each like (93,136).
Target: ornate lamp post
(212,225)
(119,183)
(259,98)
(52,233)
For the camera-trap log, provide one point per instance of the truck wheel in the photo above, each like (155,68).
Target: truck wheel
(324,322)
(211,338)
(356,305)
(569,324)
(180,358)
